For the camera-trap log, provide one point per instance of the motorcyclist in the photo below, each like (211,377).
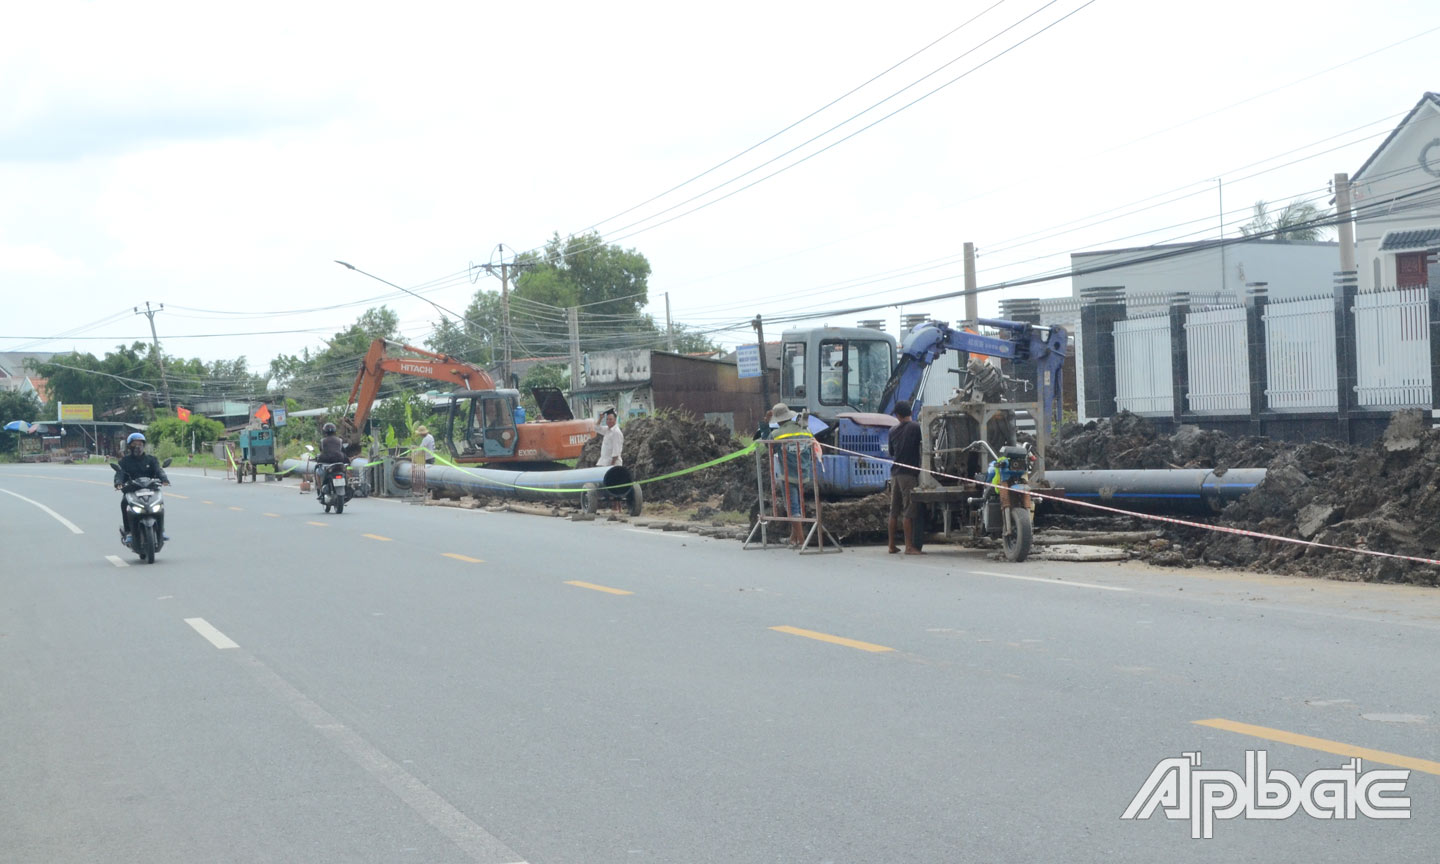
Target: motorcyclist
(136,463)
(332,450)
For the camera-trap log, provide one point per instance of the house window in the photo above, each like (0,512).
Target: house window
(1410,270)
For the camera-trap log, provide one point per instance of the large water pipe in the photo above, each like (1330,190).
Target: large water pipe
(586,486)
(1165,490)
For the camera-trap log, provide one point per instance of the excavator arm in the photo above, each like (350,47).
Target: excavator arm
(437,367)
(1046,346)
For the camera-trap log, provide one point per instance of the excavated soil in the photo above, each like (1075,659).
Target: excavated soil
(669,442)
(1383,497)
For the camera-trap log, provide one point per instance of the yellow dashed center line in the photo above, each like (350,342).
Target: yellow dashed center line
(377,537)
(459,557)
(319,524)
(837,640)
(178,495)
(593,587)
(1414,764)
(241,509)
(207,502)
(272,515)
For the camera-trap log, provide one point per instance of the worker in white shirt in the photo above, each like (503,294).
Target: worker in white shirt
(613,440)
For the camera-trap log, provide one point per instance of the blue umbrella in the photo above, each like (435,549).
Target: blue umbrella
(17,426)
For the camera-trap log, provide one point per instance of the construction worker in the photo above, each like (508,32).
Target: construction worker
(613,442)
(904,476)
(793,466)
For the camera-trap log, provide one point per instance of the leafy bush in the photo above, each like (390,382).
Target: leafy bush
(179,432)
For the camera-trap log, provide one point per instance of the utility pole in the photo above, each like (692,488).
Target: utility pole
(573,313)
(972,303)
(505,320)
(1347,227)
(1220,190)
(669,327)
(505,269)
(764,365)
(155,340)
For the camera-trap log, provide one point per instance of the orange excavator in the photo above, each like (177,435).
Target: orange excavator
(480,422)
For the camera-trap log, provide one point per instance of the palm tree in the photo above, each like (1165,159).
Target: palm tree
(1295,223)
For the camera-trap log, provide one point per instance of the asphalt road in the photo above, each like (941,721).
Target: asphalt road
(428,684)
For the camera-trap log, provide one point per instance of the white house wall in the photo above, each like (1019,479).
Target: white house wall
(1290,269)
(1394,173)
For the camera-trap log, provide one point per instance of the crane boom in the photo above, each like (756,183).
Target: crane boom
(439,367)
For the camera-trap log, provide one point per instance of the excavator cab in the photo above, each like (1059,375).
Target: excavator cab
(480,424)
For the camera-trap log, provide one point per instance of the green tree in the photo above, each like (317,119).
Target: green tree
(180,432)
(325,377)
(16,406)
(545,375)
(403,411)
(1295,223)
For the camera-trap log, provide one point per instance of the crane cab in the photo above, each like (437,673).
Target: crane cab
(480,425)
(486,426)
(830,371)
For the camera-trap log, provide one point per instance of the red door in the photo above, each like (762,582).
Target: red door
(1410,270)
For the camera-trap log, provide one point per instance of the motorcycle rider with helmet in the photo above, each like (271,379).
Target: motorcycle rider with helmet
(134,464)
(332,450)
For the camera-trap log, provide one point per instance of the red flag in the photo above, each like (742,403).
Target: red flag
(263,414)
(183,414)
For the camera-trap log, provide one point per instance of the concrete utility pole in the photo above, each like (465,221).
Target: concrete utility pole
(505,270)
(764,366)
(1347,227)
(505,320)
(1220,190)
(573,313)
(669,327)
(972,302)
(155,340)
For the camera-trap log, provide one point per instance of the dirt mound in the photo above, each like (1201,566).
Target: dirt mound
(1382,497)
(1130,441)
(667,442)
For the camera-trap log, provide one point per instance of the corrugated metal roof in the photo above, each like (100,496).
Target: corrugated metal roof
(1424,238)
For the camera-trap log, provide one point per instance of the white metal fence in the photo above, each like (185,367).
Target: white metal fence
(1392,348)
(1143,380)
(1218,361)
(1300,355)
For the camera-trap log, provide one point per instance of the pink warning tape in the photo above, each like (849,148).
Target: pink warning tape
(1221,529)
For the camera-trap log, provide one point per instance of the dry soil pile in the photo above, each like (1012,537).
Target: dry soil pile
(669,442)
(1383,497)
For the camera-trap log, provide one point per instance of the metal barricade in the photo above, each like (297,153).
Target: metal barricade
(791,497)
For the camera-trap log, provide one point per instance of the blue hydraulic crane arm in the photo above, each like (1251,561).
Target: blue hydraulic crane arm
(1023,340)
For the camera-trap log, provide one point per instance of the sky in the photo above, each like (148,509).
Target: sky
(218,159)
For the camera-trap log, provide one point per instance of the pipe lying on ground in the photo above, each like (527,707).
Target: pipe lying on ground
(587,486)
(1174,490)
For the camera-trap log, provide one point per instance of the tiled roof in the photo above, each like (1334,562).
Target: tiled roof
(1424,238)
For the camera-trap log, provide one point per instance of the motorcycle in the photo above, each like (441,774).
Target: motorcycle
(1003,509)
(332,484)
(146,507)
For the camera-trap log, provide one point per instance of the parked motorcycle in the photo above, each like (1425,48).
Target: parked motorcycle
(146,506)
(1003,509)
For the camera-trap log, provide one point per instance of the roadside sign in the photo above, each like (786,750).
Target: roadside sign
(279,417)
(747,359)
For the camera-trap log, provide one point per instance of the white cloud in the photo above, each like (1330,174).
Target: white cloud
(33,260)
